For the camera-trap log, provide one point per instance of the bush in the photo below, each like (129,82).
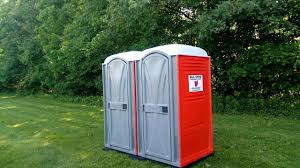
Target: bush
(88,100)
(275,106)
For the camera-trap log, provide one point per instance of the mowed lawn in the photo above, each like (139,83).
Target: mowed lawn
(44,132)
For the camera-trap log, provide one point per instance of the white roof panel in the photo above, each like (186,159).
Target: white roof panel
(127,56)
(179,49)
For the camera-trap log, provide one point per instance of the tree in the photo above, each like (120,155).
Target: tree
(58,46)
(20,50)
(248,40)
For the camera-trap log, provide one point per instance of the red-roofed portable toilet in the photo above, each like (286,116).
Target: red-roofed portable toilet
(174,104)
(118,74)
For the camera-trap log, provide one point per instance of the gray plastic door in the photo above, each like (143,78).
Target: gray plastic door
(155,101)
(118,104)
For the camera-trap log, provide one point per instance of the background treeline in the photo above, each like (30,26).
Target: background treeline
(57,46)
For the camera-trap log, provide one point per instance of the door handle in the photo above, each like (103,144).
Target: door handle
(164,109)
(117,106)
(124,106)
(155,108)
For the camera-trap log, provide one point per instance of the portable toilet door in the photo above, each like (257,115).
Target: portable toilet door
(174,104)
(118,73)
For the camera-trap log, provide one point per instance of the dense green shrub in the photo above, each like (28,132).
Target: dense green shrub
(86,100)
(254,46)
(58,46)
(275,106)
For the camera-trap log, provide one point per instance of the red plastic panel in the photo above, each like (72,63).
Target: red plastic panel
(135,110)
(195,110)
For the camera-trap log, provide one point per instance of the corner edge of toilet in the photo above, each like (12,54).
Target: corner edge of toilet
(118,73)
(174,104)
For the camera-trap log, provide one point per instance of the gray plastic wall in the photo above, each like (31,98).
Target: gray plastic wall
(118,90)
(158,108)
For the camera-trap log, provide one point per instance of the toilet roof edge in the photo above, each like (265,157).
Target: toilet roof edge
(178,49)
(127,56)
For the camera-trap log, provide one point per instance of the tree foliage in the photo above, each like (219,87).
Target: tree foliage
(58,46)
(254,45)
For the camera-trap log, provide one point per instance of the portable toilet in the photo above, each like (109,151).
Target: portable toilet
(118,73)
(174,104)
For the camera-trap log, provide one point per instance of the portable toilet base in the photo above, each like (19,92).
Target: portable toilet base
(174,105)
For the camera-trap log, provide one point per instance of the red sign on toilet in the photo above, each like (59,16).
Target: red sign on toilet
(195,83)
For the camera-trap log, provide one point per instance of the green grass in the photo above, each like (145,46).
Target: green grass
(45,132)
